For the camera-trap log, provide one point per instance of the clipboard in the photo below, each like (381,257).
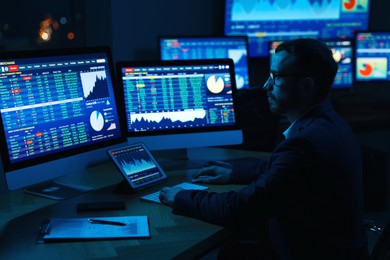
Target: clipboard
(93,228)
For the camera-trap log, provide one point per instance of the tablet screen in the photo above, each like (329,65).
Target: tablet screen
(137,165)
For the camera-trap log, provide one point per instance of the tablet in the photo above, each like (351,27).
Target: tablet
(137,165)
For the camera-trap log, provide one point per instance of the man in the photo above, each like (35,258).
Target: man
(307,200)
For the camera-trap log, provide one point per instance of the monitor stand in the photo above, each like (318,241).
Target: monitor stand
(56,191)
(176,159)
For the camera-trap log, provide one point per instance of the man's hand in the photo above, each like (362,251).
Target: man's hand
(167,195)
(216,172)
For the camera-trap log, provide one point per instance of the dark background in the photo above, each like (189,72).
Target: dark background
(131,28)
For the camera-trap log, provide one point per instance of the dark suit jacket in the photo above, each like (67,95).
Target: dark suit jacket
(309,193)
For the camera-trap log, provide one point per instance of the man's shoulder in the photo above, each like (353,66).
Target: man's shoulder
(323,122)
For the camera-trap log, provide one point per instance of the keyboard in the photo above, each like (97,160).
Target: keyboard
(154,197)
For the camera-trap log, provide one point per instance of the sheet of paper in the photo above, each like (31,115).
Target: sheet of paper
(81,228)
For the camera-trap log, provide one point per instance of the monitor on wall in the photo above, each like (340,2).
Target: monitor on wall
(372,53)
(343,55)
(209,47)
(58,113)
(270,20)
(176,104)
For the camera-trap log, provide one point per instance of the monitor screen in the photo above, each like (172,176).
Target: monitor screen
(270,20)
(180,103)
(342,53)
(190,47)
(372,53)
(55,104)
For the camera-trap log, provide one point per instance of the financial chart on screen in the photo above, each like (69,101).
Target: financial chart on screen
(372,54)
(137,165)
(177,97)
(270,20)
(55,104)
(187,47)
(174,104)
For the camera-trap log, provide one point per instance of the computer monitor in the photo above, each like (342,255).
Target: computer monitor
(59,113)
(372,56)
(209,47)
(270,20)
(176,104)
(342,53)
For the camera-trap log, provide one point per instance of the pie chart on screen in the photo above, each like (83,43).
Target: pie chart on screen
(349,4)
(366,70)
(97,121)
(336,55)
(215,84)
(372,68)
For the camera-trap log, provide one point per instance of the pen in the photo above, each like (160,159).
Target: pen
(107,222)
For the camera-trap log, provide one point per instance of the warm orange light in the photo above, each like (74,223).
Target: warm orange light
(45,36)
(46,22)
(46,29)
(71,36)
(55,25)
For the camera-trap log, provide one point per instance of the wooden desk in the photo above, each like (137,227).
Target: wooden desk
(172,236)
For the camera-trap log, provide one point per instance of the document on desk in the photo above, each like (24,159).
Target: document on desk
(94,228)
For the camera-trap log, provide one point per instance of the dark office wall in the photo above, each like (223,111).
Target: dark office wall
(136,24)
(98,22)
(380,15)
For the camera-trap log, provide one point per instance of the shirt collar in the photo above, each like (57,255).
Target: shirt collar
(286,133)
(307,117)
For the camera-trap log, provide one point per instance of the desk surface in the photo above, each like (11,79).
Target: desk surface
(172,236)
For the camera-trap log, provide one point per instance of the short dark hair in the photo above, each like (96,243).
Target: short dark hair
(314,58)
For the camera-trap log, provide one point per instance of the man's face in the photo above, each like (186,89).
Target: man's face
(281,90)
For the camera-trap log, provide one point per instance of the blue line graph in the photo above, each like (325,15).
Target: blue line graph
(270,10)
(135,166)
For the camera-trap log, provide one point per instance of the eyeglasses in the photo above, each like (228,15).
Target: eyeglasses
(273,75)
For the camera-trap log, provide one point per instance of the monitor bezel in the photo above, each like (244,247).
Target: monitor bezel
(195,36)
(154,63)
(9,166)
